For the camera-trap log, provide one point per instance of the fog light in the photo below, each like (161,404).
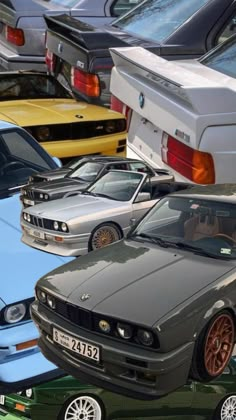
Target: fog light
(51,302)
(124,330)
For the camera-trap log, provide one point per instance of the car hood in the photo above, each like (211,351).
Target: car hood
(66,209)
(21,266)
(50,175)
(52,111)
(129,275)
(59,186)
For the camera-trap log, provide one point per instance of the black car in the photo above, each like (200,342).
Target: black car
(78,53)
(143,315)
(87,170)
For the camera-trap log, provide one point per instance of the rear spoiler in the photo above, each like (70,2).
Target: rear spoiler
(144,71)
(88,36)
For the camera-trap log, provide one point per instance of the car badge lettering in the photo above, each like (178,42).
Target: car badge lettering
(141,100)
(60,48)
(183,136)
(104,326)
(84,297)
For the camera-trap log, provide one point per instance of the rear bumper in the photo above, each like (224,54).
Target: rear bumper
(12,61)
(136,373)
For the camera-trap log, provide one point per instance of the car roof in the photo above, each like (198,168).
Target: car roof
(108,159)
(216,192)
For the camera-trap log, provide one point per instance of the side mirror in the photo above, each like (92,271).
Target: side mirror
(57,161)
(143,196)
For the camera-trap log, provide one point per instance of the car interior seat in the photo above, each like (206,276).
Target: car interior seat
(201,226)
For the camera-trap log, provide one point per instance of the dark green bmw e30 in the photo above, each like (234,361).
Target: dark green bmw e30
(143,315)
(67,399)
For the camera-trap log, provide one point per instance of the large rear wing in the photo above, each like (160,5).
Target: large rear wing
(144,72)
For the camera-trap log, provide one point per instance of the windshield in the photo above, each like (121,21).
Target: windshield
(223,59)
(200,226)
(87,171)
(119,186)
(20,157)
(30,86)
(158,19)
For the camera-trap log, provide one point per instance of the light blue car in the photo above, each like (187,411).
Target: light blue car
(21,363)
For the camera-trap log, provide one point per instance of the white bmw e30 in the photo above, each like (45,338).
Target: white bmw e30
(183,113)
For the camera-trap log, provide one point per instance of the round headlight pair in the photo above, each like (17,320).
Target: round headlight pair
(60,226)
(43,196)
(43,133)
(126,332)
(15,313)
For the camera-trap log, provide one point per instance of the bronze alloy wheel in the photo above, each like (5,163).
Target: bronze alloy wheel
(213,347)
(104,235)
(219,344)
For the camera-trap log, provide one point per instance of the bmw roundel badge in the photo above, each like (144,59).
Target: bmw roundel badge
(141,100)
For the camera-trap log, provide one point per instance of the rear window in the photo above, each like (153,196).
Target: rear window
(158,19)
(223,58)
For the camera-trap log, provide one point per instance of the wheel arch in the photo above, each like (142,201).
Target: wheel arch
(82,394)
(107,222)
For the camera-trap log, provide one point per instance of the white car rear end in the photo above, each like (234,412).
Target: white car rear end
(184,114)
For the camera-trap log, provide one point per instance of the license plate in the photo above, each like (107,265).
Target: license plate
(36,233)
(29,202)
(80,347)
(2,399)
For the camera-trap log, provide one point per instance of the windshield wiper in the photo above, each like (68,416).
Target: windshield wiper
(198,250)
(156,240)
(89,193)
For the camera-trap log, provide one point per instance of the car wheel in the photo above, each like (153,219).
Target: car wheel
(104,235)
(213,348)
(226,409)
(83,407)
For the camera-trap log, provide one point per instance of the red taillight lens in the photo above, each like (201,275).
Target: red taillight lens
(117,105)
(15,36)
(85,82)
(50,59)
(193,164)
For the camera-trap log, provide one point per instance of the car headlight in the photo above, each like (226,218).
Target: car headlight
(41,196)
(25,216)
(46,197)
(51,302)
(64,227)
(125,331)
(110,127)
(29,392)
(145,337)
(43,133)
(31,179)
(15,313)
(41,295)
(28,218)
(55,225)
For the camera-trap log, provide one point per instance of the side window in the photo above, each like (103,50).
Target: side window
(118,166)
(139,167)
(119,7)
(229,29)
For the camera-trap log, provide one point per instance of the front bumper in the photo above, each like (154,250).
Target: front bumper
(114,144)
(10,60)
(134,372)
(72,245)
(24,368)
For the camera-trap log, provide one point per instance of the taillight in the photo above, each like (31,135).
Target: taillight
(193,164)
(50,59)
(117,105)
(15,36)
(85,82)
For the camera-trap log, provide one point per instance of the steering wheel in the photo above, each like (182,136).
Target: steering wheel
(224,236)
(12,166)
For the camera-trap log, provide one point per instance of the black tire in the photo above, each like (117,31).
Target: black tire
(213,348)
(111,233)
(226,409)
(72,403)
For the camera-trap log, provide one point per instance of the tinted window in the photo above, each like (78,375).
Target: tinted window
(158,19)
(140,167)
(120,7)
(229,29)
(223,59)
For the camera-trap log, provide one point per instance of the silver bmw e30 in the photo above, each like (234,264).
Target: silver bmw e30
(98,216)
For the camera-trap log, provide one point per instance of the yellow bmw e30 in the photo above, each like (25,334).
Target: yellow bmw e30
(66,128)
